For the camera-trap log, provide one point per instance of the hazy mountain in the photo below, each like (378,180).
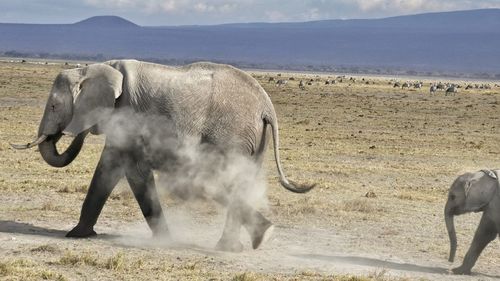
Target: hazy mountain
(454,42)
(106,21)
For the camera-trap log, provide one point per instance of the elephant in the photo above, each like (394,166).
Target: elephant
(474,192)
(154,107)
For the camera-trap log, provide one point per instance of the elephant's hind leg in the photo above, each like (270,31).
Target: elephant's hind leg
(230,240)
(108,172)
(240,214)
(259,228)
(141,181)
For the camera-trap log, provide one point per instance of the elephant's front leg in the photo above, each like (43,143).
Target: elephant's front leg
(108,172)
(485,233)
(141,180)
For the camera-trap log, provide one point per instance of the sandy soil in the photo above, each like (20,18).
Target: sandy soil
(402,147)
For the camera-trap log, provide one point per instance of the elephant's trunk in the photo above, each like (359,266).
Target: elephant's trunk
(49,152)
(450,226)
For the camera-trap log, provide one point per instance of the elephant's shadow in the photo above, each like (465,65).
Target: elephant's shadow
(372,262)
(30,229)
(124,241)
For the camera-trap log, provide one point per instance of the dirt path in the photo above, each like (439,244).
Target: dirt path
(292,250)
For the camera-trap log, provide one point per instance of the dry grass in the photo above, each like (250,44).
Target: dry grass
(21,269)
(360,205)
(351,139)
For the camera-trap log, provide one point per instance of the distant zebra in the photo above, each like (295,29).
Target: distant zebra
(432,89)
(406,85)
(396,85)
(452,90)
(441,86)
(301,85)
(281,82)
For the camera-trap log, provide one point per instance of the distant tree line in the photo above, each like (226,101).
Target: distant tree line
(367,70)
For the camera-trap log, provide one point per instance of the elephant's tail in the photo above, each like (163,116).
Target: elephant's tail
(289,185)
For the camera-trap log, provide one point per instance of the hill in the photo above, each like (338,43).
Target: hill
(456,43)
(106,21)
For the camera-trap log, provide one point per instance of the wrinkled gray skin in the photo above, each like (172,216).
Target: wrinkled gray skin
(218,105)
(473,192)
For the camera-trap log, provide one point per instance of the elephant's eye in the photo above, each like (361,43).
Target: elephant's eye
(452,196)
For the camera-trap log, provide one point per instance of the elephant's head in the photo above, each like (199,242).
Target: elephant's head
(470,192)
(80,98)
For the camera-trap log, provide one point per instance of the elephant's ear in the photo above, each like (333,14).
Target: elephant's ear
(100,85)
(479,190)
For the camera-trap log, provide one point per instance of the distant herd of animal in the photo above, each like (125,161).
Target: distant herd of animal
(448,88)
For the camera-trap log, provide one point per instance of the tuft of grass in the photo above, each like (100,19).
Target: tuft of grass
(6,269)
(49,206)
(309,273)
(78,189)
(382,275)
(190,266)
(65,189)
(51,275)
(405,196)
(359,205)
(45,248)
(116,262)
(72,259)
(246,276)
(303,206)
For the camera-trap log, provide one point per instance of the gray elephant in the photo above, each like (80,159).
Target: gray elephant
(217,105)
(474,192)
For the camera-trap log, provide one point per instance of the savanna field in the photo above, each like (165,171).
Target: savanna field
(383,159)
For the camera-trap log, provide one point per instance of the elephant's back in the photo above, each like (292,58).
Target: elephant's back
(231,107)
(216,103)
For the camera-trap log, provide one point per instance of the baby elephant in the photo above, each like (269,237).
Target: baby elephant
(474,192)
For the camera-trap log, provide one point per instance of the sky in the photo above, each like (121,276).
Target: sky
(203,12)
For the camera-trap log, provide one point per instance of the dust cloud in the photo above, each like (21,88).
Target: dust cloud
(186,167)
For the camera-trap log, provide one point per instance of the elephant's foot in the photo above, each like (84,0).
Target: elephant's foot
(461,271)
(161,232)
(261,233)
(226,245)
(81,232)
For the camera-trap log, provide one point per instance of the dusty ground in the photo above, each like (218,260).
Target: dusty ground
(403,146)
